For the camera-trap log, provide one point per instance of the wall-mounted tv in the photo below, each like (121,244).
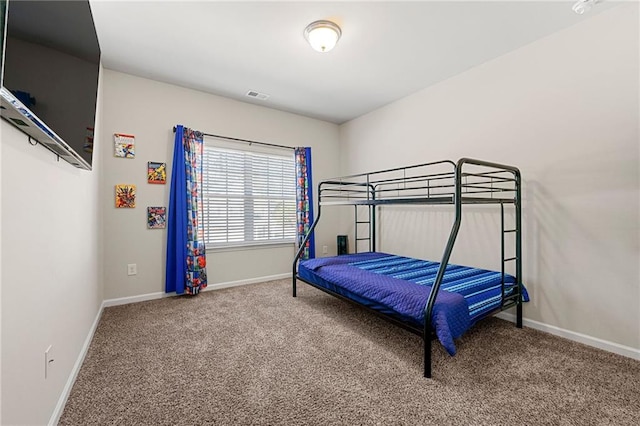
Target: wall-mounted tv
(51,62)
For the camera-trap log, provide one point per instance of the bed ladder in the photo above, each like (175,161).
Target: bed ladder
(514,299)
(369,222)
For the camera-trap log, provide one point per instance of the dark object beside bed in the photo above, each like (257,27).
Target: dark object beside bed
(421,296)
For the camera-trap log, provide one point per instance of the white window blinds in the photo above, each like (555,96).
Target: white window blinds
(248,197)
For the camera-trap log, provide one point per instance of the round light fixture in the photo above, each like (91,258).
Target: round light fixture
(322,35)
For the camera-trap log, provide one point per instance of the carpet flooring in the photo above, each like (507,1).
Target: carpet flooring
(253,355)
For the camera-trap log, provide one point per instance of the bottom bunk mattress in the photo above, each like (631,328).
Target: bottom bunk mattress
(399,287)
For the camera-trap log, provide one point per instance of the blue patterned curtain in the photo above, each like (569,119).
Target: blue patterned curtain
(186,257)
(304,201)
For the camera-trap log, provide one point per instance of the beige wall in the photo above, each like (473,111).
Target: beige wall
(565,110)
(51,274)
(149,110)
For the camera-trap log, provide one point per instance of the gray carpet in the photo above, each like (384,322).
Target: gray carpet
(255,355)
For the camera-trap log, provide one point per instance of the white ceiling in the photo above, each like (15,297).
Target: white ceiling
(388,50)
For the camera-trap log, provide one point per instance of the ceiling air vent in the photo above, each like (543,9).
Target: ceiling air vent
(257,95)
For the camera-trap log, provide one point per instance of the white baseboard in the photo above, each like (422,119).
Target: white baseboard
(576,337)
(62,401)
(247,281)
(135,299)
(57,412)
(218,286)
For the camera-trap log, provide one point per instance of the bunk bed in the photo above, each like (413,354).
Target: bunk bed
(432,299)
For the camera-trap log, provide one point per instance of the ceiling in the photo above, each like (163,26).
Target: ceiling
(388,50)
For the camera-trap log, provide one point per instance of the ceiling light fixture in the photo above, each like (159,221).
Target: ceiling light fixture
(583,6)
(322,35)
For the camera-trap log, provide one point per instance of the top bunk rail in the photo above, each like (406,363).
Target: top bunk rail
(478,182)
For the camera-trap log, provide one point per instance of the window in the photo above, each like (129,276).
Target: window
(249,197)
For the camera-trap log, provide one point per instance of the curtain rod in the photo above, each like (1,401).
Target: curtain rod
(244,140)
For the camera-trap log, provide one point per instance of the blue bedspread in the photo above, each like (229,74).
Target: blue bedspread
(400,286)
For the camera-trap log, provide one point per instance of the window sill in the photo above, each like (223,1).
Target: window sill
(249,246)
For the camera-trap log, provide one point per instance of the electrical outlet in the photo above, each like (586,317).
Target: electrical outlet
(325,249)
(48,360)
(132,269)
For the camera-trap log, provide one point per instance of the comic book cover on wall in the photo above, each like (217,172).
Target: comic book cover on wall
(125,196)
(157,172)
(124,145)
(156,217)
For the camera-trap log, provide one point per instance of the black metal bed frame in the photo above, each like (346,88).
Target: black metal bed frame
(436,183)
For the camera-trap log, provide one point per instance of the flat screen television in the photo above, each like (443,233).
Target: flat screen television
(50,67)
